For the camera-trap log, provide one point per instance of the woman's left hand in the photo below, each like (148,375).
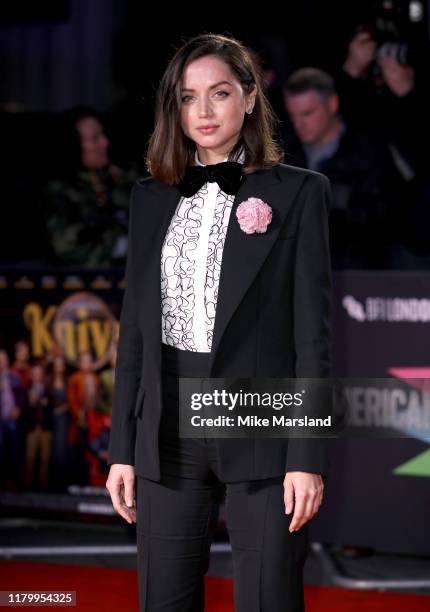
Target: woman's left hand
(305,491)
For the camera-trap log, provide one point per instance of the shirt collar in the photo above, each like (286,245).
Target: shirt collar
(240,159)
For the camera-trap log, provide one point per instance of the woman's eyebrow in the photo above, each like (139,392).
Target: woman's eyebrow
(211,87)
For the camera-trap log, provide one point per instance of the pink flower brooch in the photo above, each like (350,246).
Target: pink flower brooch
(254,215)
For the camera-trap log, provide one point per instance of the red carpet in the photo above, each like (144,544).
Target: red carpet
(111,590)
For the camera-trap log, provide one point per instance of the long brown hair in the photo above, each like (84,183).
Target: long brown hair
(170,151)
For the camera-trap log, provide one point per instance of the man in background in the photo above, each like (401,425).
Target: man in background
(321,140)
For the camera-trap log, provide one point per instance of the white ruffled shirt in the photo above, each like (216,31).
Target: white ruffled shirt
(191,258)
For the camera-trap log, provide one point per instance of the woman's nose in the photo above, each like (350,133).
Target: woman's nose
(204,108)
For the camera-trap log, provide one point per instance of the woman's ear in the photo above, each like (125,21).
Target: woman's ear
(251,99)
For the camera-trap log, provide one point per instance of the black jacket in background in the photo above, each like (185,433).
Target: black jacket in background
(359,176)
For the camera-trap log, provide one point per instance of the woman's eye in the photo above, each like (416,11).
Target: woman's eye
(224,95)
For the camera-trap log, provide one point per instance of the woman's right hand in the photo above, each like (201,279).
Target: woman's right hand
(120,484)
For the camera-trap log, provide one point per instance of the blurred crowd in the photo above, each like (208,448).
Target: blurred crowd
(364,125)
(54,422)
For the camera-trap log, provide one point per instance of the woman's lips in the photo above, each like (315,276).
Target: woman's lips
(208,130)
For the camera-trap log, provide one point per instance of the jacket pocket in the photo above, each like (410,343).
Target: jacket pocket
(139,402)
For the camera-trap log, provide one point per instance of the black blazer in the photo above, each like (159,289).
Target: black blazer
(273,318)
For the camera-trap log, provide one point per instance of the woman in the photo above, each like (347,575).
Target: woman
(57,386)
(271,293)
(87,209)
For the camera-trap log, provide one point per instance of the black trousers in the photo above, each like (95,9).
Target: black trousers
(176,518)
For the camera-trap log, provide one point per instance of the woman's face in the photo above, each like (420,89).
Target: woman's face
(212,96)
(86,362)
(59,365)
(22,352)
(94,143)
(37,374)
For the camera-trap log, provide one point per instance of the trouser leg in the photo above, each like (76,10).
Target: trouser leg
(268,560)
(176,518)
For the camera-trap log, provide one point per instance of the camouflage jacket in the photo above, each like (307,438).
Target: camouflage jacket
(87,218)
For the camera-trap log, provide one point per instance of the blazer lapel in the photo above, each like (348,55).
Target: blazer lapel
(160,206)
(244,254)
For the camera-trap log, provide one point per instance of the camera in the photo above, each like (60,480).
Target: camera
(399,28)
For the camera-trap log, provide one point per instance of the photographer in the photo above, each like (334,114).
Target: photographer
(382,91)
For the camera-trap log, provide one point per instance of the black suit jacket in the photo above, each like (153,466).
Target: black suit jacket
(273,318)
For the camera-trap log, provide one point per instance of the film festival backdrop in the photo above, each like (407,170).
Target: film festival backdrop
(377,491)
(74,314)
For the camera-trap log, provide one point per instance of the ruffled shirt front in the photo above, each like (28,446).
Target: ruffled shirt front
(191,259)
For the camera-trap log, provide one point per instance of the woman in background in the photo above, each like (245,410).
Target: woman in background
(87,209)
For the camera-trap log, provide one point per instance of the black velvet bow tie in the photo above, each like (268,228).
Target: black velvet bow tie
(227,174)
